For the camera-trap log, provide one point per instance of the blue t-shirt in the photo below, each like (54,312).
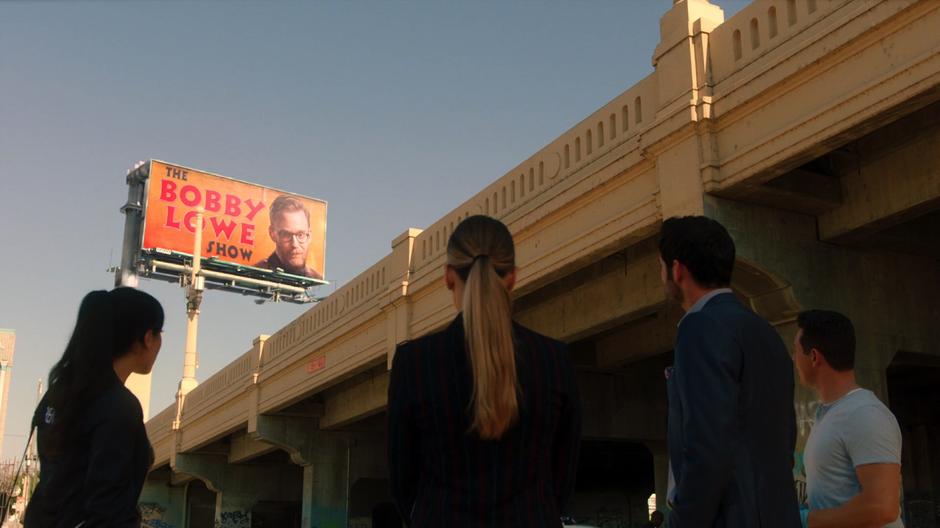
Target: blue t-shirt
(854,430)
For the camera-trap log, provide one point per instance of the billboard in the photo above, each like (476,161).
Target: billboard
(247,229)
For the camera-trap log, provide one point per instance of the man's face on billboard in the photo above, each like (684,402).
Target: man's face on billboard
(291,235)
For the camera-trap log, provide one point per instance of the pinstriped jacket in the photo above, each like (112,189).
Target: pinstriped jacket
(443,474)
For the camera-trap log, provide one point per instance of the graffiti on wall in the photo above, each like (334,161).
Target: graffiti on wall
(360,522)
(805,418)
(233,519)
(151,516)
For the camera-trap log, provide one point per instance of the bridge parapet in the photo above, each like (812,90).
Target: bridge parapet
(763,26)
(815,86)
(159,429)
(232,378)
(217,406)
(160,424)
(366,290)
(522,189)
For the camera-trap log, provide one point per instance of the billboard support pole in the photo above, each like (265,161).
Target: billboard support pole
(193,300)
(133,210)
(126,274)
(194,288)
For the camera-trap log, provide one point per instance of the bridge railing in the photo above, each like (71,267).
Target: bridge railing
(232,379)
(615,124)
(325,318)
(761,27)
(160,423)
(159,430)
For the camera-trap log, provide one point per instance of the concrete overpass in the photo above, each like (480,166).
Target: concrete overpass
(810,128)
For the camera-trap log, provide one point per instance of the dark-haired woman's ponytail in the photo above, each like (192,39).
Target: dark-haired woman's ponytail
(80,370)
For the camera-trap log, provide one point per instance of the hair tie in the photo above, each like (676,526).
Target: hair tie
(478,257)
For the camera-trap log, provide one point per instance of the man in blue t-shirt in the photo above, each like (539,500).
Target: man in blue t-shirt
(853,453)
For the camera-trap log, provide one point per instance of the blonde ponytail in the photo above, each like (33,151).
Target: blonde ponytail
(482,252)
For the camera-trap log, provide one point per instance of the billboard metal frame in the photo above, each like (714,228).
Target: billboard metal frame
(173,266)
(194,273)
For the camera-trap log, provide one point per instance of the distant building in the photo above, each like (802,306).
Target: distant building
(7,345)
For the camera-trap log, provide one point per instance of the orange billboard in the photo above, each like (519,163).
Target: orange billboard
(243,224)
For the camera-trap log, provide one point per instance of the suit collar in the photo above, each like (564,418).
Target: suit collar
(718,295)
(705,299)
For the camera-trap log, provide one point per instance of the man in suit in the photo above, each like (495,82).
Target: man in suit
(732,427)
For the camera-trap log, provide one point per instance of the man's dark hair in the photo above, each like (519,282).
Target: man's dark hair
(832,334)
(700,244)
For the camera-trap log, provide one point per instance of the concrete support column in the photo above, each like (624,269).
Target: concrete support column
(886,295)
(368,457)
(161,504)
(324,457)
(368,477)
(239,487)
(660,472)
(233,509)
(326,485)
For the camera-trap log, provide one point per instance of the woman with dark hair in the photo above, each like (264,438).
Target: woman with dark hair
(483,417)
(93,448)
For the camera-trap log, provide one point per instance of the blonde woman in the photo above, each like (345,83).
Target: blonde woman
(483,417)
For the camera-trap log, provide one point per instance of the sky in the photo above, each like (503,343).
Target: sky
(393,112)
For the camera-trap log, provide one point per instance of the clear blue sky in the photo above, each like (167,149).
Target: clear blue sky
(393,112)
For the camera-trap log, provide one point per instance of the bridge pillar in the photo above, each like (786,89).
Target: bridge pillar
(885,294)
(368,477)
(324,457)
(783,267)
(660,472)
(238,487)
(162,505)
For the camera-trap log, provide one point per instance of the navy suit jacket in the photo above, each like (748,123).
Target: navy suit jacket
(732,427)
(443,474)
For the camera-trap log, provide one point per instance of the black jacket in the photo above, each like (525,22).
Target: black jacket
(732,427)
(442,474)
(99,475)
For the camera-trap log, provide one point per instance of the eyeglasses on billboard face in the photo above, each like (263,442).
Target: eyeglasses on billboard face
(286,236)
